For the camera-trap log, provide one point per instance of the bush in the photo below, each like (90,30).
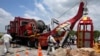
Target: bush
(0,36)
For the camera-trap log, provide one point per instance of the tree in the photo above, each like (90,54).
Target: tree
(72,32)
(96,34)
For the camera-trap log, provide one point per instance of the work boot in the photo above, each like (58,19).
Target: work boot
(48,53)
(7,51)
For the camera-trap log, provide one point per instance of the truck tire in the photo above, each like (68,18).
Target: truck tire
(36,44)
(29,43)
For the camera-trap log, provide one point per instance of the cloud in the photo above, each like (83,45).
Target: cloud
(40,7)
(57,7)
(5,18)
(30,16)
(22,6)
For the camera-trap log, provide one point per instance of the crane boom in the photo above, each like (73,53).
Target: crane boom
(69,24)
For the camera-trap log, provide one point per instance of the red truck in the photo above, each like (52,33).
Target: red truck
(30,31)
(22,28)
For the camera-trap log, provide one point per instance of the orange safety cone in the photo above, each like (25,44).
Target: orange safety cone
(26,52)
(17,54)
(39,50)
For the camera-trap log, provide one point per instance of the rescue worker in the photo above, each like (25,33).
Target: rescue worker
(6,38)
(51,44)
(73,39)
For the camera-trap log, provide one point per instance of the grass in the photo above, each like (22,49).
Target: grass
(1,34)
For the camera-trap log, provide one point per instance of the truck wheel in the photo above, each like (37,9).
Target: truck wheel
(36,44)
(29,43)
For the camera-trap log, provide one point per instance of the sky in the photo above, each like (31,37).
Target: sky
(45,10)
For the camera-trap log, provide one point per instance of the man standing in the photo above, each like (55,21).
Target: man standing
(6,38)
(51,44)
